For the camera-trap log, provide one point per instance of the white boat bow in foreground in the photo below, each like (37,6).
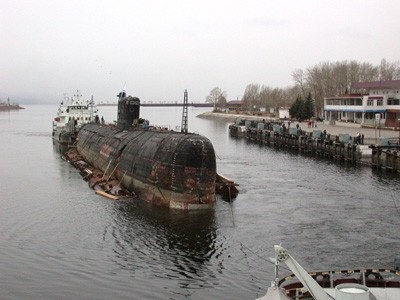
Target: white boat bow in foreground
(362,284)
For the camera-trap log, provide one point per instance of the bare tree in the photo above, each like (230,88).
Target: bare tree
(328,79)
(251,96)
(265,96)
(324,79)
(277,97)
(299,78)
(340,80)
(315,81)
(367,73)
(389,71)
(217,97)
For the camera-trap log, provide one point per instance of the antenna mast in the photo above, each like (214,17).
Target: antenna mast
(184,127)
(91,109)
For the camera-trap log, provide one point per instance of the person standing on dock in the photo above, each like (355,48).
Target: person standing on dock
(358,138)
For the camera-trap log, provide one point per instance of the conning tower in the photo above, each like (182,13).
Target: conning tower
(128,111)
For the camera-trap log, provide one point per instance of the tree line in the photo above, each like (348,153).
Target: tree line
(315,82)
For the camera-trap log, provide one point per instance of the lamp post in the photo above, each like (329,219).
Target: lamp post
(379,124)
(378,118)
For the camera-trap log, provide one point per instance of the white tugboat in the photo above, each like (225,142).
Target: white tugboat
(72,114)
(360,284)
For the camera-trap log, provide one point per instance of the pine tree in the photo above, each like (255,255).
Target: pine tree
(295,110)
(309,107)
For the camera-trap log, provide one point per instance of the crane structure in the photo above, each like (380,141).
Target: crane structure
(184,127)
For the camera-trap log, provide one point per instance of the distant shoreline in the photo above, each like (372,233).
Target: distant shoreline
(231,117)
(163,104)
(10,107)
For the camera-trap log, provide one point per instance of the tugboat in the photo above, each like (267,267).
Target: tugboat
(354,284)
(72,114)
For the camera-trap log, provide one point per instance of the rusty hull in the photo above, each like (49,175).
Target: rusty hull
(165,168)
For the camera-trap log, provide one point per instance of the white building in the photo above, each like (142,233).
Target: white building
(284,113)
(377,101)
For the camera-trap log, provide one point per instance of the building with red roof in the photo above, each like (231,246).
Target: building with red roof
(376,102)
(234,105)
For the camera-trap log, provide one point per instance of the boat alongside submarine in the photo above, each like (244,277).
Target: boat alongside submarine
(166,168)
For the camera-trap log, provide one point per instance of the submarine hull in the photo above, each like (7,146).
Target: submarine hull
(165,168)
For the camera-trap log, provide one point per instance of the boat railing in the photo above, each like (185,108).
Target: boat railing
(384,278)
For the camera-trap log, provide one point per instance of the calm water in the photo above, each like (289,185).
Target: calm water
(58,240)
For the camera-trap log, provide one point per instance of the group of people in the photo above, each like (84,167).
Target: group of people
(97,120)
(311,124)
(359,139)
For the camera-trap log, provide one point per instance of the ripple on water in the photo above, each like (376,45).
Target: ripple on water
(61,241)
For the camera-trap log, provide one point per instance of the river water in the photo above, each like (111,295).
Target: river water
(58,240)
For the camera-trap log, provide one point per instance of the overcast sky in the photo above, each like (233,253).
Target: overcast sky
(160,48)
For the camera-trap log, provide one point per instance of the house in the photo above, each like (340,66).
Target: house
(284,113)
(233,105)
(376,102)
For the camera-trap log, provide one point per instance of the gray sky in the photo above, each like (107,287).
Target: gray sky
(160,48)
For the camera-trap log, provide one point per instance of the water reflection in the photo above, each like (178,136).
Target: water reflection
(58,233)
(60,149)
(176,245)
(386,176)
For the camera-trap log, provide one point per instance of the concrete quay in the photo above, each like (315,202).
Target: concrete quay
(370,134)
(379,148)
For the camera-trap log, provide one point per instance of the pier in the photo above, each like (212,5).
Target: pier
(163,104)
(378,152)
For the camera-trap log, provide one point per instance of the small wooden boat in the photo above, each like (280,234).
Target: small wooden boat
(225,187)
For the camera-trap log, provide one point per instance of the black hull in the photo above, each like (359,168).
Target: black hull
(166,168)
(64,137)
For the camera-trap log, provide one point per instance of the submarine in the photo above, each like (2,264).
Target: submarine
(166,168)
